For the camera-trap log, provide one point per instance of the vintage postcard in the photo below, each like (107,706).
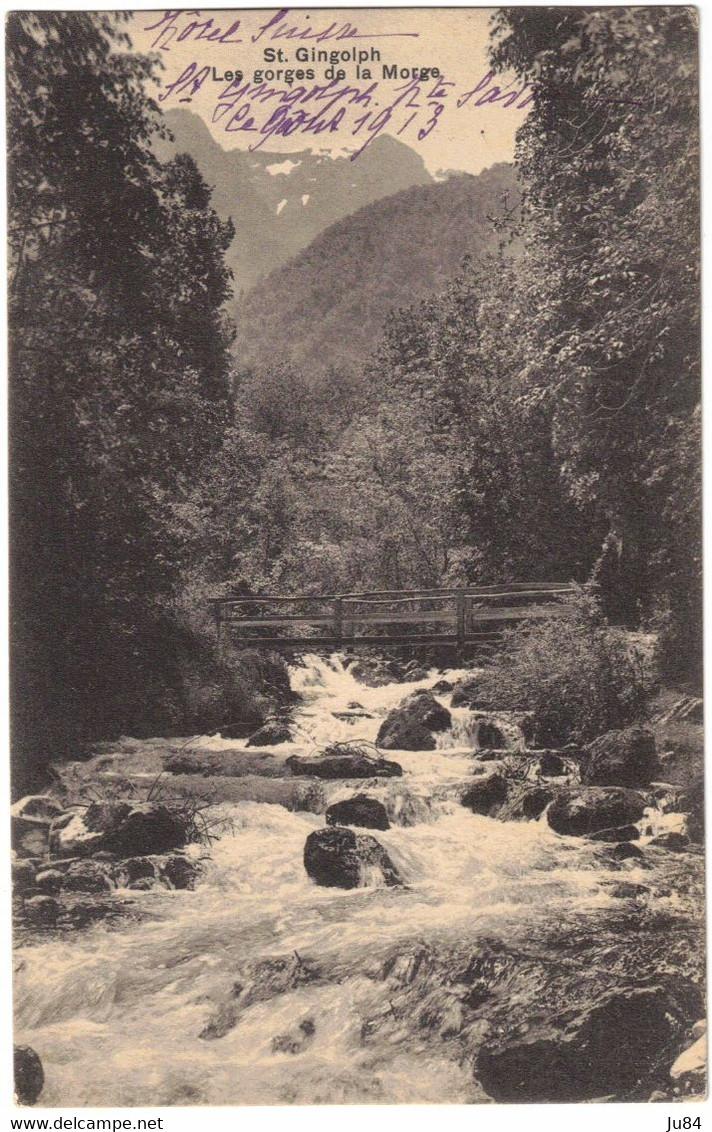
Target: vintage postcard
(357,746)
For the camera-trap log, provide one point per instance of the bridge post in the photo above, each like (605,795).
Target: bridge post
(338,621)
(461,624)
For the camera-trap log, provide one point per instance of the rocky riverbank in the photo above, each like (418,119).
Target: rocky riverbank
(483,919)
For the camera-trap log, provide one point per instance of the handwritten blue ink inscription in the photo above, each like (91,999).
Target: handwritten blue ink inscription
(358,109)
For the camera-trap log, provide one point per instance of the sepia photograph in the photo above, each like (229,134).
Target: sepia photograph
(355,608)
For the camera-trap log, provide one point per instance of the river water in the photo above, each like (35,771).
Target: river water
(260,987)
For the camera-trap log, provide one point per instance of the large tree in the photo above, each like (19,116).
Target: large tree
(609,156)
(119,374)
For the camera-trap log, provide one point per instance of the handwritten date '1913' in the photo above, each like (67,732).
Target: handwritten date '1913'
(361,109)
(357,110)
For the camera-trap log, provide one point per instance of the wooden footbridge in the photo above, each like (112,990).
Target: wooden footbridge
(457,617)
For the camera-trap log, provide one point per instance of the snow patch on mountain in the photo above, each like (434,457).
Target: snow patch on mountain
(282,168)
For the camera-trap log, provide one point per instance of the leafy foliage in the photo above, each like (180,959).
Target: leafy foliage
(609,155)
(577,675)
(119,358)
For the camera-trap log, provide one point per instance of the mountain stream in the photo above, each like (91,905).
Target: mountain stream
(261,987)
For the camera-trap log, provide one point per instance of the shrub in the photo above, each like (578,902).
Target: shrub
(165,678)
(577,675)
(235,690)
(176,681)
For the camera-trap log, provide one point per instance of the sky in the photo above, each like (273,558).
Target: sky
(425,114)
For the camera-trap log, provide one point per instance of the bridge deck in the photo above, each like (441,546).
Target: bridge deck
(416,617)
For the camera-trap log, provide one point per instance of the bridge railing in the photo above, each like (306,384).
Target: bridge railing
(454,616)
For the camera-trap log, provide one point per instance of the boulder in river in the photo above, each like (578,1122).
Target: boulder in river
(442,687)
(487,794)
(413,670)
(676,842)
(489,736)
(29,1074)
(625,851)
(179,872)
(96,876)
(409,727)
(359,810)
(628,891)
(23,877)
(271,735)
(87,876)
(467,693)
(399,734)
(551,765)
(372,673)
(128,829)
(619,833)
(343,765)
(337,857)
(579,812)
(526,803)
(692,803)
(49,881)
(604,1052)
(621,758)
(423,708)
(41,911)
(138,868)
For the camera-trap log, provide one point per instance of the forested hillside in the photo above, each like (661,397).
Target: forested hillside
(327,305)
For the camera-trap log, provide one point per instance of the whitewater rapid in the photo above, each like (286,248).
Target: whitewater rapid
(117,1012)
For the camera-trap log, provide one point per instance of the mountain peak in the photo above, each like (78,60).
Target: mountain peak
(279,202)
